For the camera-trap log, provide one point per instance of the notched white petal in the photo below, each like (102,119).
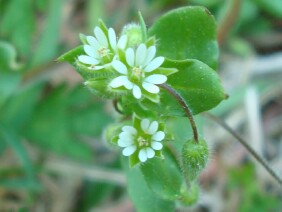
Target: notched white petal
(122,42)
(119,67)
(158,136)
(145,124)
(128,85)
(129,54)
(118,81)
(112,38)
(87,60)
(136,92)
(90,51)
(93,42)
(156,79)
(129,129)
(141,54)
(151,88)
(142,155)
(125,142)
(156,145)
(153,127)
(129,150)
(101,37)
(150,152)
(154,64)
(150,54)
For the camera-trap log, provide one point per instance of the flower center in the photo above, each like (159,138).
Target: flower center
(103,51)
(142,142)
(136,74)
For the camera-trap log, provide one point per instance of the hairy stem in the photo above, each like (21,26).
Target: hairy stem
(246,145)
(185,107)
(180,165)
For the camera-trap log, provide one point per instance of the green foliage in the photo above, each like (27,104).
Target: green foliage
(144,199)
(272,7)
(71,114)
(188,32)
(191,53)
(28,180)
(197,83)
(9,75)
(12,26)
(253,197)
(49,42)
(166,185)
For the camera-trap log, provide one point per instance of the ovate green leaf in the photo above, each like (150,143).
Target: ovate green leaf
(187,33)
(163,176)
(143,198)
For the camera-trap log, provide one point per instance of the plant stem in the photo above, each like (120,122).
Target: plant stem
(185,107)
(180,165)
(228,20)
(246,145)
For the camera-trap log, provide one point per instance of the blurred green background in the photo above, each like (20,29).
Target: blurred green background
(52,153)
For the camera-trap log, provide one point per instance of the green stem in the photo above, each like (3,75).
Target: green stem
(185,107)
(246,145)
(180,165)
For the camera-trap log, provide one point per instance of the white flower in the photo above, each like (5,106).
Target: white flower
(146,141)
(101,46)
(137,72)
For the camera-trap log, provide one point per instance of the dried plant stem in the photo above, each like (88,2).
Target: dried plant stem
(246,145)
(228,20)
(185,107)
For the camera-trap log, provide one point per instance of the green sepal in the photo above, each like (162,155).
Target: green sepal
(151,41)
(165,71)
(100,87)
(83,39)
(71,56)
(143,26)
(103,27)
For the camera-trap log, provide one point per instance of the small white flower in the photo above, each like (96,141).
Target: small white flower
(101,46)
(137,71)
(146,141)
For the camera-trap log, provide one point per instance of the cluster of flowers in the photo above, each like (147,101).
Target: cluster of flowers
(139,71)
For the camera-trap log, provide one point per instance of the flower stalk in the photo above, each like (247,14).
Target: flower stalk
(185,107)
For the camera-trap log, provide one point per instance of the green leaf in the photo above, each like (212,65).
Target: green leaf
(196,82)
(18,25)
(48,45)
(62,118)
(167,185)
(17,110)
(143,198)
(272,7)
(187,33)
(15,143)
(9,75)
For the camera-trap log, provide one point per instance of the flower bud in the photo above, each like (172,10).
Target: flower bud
(133,33)
(194,157)
(189,196)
